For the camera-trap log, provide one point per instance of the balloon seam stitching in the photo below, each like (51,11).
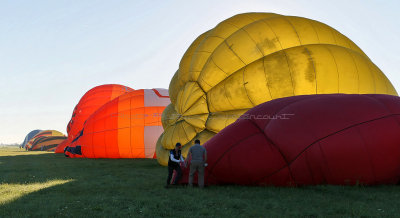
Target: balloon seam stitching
(277,147)
(261,20)
(245,89)
(337,68)
(358,73)
(283,50)
(341,130)
(315,30)
(368,152)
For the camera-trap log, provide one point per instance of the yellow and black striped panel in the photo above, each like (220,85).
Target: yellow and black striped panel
(47,143)
(44,133)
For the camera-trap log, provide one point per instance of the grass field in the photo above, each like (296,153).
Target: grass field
(41,184)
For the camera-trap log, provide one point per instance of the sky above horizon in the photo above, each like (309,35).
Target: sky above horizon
(52,52)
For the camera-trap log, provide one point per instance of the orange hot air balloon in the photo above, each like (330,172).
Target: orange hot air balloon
(88,104)
(61,146)
(126,127)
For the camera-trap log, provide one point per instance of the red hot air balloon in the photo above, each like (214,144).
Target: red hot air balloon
(88,104)
(308,140)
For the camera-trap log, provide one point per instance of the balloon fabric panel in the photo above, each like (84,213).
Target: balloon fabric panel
(333,139)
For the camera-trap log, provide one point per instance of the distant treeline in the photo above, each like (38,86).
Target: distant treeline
(10,145)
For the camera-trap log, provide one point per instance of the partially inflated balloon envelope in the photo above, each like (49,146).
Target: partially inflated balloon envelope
(41,133)
(46,140)
(308,140)
(253,58)
(126,127)
(88,104)
(29,136)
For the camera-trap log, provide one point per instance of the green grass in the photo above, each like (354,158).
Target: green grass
(41,184)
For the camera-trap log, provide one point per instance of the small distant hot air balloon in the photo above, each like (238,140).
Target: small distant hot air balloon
(29,137)
(46,140)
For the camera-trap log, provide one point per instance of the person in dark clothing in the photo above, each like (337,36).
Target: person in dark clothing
(175,158)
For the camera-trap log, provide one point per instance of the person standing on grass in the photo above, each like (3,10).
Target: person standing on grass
(175,158)
(198,155)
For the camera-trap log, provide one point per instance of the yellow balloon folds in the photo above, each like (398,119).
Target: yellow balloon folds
(252,58)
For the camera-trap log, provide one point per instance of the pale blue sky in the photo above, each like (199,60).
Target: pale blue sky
(52,52)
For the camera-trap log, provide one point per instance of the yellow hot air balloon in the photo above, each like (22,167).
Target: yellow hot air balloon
(252,58)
